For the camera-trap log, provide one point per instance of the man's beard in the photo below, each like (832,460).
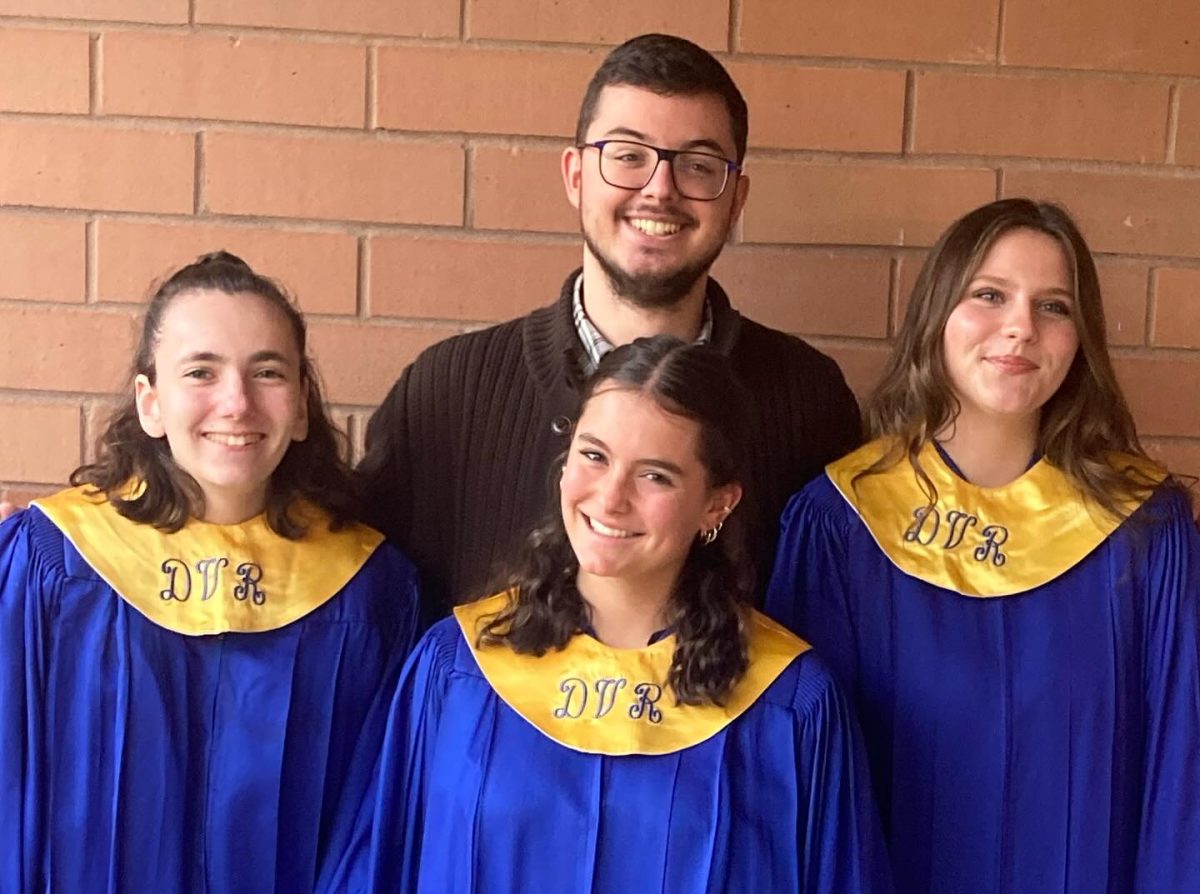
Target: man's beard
(652,291)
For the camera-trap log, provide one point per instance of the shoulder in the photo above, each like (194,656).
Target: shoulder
(806,687)
(443,649)
(471,350)
(819,499)
(30,537)
(779,354)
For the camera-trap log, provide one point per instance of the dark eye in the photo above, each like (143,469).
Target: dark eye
(594,456)
(1057,308)
(657,478)
(990,295)
(269,373)
(199,373)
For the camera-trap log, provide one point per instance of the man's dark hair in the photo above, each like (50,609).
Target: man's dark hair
(668,66)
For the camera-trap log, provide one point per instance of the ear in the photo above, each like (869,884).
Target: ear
(741,189)
(300,428)
(572,174)
(145,398)
(721,502)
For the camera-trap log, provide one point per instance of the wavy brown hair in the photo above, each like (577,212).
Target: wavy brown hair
(313,469)
(709,600)
(1084,422)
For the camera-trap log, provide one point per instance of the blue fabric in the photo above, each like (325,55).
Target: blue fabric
(469,797)
(1044,742)
(136,759)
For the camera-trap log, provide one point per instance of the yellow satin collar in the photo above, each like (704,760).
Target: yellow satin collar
(212,578)
(597,699)
(976,541)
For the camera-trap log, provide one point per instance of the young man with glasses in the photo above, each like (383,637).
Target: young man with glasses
(458,454)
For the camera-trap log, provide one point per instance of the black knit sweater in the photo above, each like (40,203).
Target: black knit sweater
(459,454)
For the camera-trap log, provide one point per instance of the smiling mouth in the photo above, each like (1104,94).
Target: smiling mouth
(232,440)
(605,531)
(654,227)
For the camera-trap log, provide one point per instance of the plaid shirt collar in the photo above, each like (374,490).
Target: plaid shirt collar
(595,345)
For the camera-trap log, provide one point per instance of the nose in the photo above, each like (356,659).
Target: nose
(233,397)
(614,492)
(1019,321)
(662,181)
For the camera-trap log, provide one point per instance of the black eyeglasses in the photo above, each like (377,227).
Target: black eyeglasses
(626,164)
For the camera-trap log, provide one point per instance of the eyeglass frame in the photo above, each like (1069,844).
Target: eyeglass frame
(668,155)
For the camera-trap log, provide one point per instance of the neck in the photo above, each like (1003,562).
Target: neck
(625,614)
(621,321)
(990,452)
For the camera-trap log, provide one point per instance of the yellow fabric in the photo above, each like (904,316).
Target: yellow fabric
(212,578)
(597,699)
(977,541)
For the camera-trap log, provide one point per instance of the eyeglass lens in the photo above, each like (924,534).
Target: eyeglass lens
(697,175)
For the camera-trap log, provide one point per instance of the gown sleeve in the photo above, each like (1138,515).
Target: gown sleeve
(1168,858)
(377,838)
(23,587)
(811,584)
(839,833)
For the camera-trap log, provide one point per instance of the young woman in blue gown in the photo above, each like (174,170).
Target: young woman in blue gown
(191,638)
(618,719)
(1008,586)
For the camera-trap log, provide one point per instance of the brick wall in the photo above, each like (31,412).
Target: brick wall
(395,163)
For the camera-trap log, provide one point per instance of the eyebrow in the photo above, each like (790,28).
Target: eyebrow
(665,464)
(1008,282)
(214,357)
(689,145)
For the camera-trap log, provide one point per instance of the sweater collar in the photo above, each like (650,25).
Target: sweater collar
(557,361)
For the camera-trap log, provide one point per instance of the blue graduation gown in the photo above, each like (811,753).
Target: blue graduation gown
(134,758)
(470,796)
(1045,741)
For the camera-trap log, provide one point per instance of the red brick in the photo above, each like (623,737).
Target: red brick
(838,109)
(1121,213)
(1049,117)
(23,493)
(359,362)
(1163,393)
(458,279)
(1187,139)
(519,188)
(68,166)
(481,90)
(862,365)
(320,270)
(1177,308)
(38,442)
(334,178)
(415,18)
(1122,285)
(602,21)
(233,78)
(932,30)
(859,204)
(807,291)
(42,258)
(1181,457)
(43,71)
(160,12)
(65,349)
(1162,37)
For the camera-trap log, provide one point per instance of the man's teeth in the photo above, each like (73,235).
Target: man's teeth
(600,528)
(654,227)
(233,440)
